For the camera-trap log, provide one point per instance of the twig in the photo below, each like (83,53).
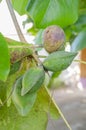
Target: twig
(59,110)
(24,46)
(42,56)
(80,61)
(12,13)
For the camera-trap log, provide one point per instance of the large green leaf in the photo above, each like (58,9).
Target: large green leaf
(46,103)
(20,5)
(4,59)
(22,103)
(58,61)
(11,120)
(48,12)
(36,119)
(80,42)
(0,0)
(17,70)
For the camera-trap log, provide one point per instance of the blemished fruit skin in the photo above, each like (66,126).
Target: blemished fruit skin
(53,38)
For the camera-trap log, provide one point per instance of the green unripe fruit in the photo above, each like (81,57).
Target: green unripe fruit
(53,38)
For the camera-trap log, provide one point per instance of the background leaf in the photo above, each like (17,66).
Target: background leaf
(48,12)
(4,59)
(19,6)
(39,37)
(0,0)
(79,42)
(81,22)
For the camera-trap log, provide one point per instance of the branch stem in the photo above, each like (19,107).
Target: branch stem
(24,46)
(80,61)
(17,27)
(60,112)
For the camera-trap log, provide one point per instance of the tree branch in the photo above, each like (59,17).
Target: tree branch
(17,27)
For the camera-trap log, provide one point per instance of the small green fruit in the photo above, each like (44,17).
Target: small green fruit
(53,38)
(59,60)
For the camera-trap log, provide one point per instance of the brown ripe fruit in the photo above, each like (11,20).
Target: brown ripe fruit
(53,38)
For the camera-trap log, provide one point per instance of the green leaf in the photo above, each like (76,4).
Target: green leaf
(49,12)
(55,74)
(81,21)
(10,119)
(0,0)
(79,42)
(15,72)
(19,6)
(46,103)
(36,119)
(39,38)
(15,67)
(22,103)
(58,61)
(82,4)
(32,30)
(4,59)
(80,25)
(32,80)
(18,50)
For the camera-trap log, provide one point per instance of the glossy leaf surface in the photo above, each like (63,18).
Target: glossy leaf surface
(57,12)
